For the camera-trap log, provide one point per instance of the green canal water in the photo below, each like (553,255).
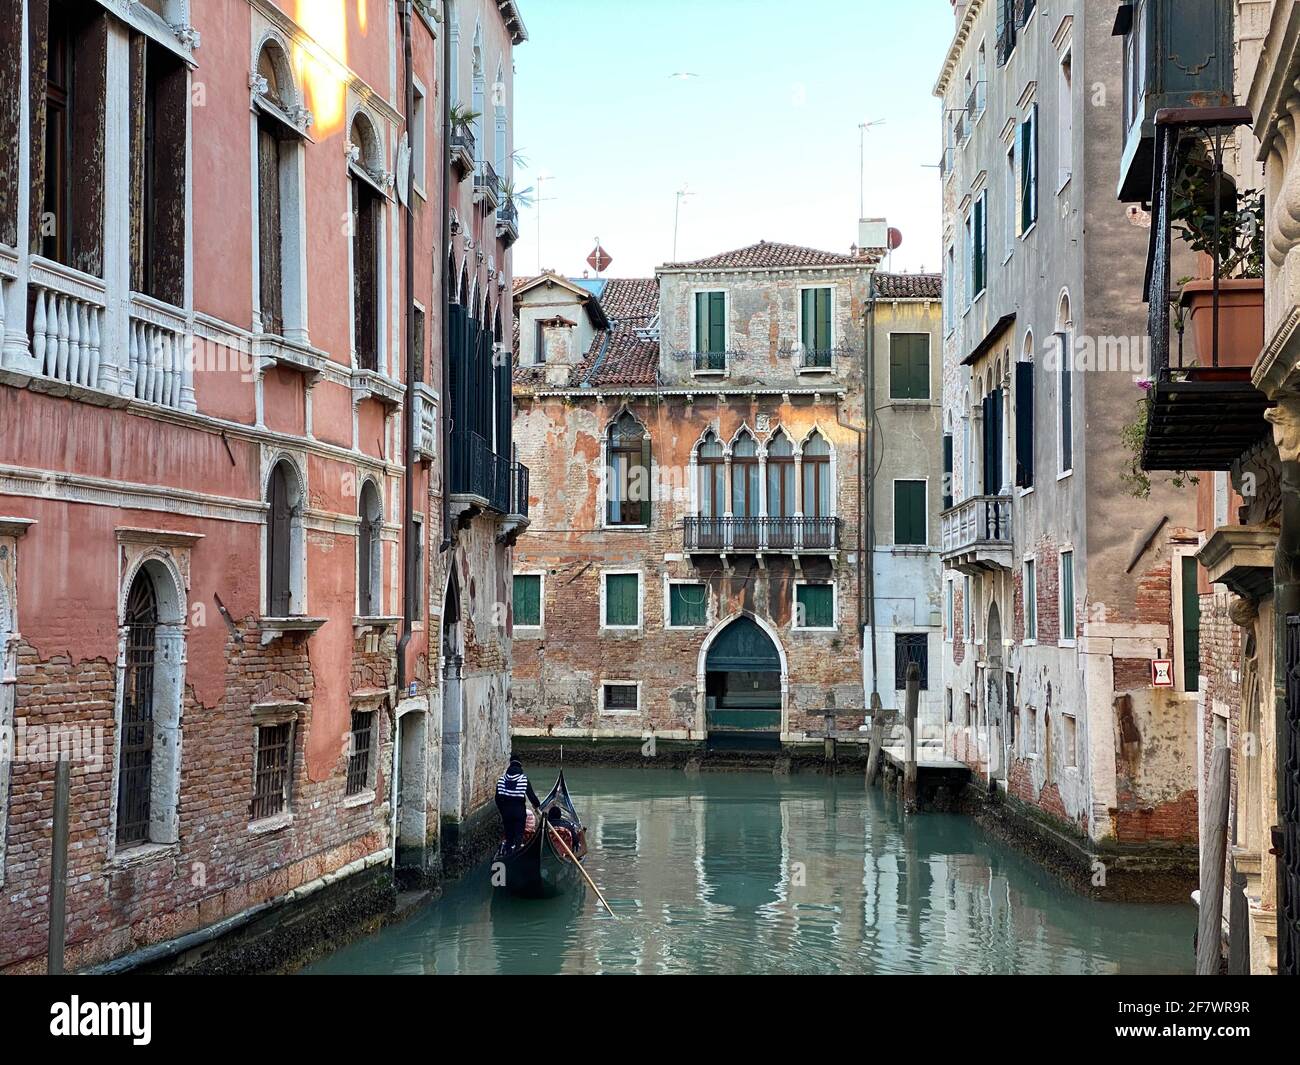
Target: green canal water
(747,873)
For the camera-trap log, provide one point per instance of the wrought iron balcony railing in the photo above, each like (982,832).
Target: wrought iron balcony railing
(478,471)
(487,185)
(710,361)
(519,482)
(704,535)
(817,358)
(462,143)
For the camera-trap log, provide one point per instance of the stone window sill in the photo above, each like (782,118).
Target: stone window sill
(361,798)
(268,825)
(143,854)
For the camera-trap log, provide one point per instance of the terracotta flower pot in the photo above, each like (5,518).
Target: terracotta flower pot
(1241,321)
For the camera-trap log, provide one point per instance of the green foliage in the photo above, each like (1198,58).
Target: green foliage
(1135,480)
(1240,239)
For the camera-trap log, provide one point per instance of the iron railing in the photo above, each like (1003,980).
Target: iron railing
(704,535)
(817,358)
(486,180)
(508,213)
(477,470)
(710,361)
(463,139)
(979,521)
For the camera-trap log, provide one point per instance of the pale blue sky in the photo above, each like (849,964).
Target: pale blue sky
(766,136)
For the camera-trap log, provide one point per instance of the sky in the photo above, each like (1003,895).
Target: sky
(765,135)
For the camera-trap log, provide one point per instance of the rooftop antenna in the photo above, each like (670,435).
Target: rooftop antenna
(862,163)
(683,193)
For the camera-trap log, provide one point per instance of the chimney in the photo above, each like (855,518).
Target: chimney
(873,239)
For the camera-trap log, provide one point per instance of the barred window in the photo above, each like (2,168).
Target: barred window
(271,771)
(360,748)
(621,697)
(911,647)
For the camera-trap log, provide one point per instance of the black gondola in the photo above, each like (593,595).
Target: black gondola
(539,868)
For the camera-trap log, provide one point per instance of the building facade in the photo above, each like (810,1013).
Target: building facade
(905,486)
(237,530)
(696,563)
(1060,589)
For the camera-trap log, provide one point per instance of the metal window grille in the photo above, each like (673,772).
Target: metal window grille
(271,774)
(136,766)
(620,696)
(363,732)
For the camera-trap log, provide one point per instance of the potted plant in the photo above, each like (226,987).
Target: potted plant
(1240,246)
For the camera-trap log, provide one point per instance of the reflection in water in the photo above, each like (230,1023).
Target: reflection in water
(732,873)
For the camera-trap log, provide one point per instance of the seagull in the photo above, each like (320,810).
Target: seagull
(683,75)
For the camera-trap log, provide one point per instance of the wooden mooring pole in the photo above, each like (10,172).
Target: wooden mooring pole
(59,869)
(1214,842)
(877,738)
(909,765)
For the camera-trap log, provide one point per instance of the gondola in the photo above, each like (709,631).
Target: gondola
(540,868)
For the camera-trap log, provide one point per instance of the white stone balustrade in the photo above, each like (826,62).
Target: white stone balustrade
(160,367)
(67,327)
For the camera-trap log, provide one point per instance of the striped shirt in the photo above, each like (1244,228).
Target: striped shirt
(512,786)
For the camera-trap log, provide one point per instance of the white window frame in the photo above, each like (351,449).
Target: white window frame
(1064,116)
(640,599)
(798,310)
(1011,231)
(950,279)
(1029,565)
(1029,733)
(1028,114)
(949,611)
(1062,639)
(669,582)
(270,715)
(726,327)
(420,137)
(605,712)
(968,610)
(893,513)
(1178,553)
(532,632)
(835,607)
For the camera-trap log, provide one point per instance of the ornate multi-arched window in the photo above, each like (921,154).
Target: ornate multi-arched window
(818,500)
(627,479)
(711,461)
(781,502)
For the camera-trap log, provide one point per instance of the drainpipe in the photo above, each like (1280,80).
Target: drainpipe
(410,578)
(443,246)
(868,527)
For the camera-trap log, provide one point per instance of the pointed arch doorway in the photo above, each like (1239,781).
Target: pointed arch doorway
(743,681)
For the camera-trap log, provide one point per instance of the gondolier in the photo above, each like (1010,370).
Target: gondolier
(513,792)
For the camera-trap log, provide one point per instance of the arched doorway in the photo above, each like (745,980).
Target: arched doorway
(993,678)
(453,651)
(743,676)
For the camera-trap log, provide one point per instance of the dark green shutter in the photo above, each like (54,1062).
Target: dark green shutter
(808,337)
(822,338)
(981,246)
(528,600)
(1067,405)
(909,366)
(621,599)
(701,321)
(948,472)
(717,322)
(818,603)
(1191,622)
(686,604)
(1024,425)
(909,512)
(1029,170)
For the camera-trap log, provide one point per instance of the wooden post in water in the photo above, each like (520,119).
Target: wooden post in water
(58,869)
(829,751)
(909,766)
(1209,932)
(877,738)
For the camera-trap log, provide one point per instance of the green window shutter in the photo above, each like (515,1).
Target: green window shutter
(817,606)
(1191,622)
(822,336)
(701,321)
(1026,166)
(808,316)
(909,366)
(528,601)
(909,512)
(717,322)
(686,604)
(981,244)
(621,599)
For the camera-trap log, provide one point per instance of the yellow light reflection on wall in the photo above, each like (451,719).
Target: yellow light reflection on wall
(322,76)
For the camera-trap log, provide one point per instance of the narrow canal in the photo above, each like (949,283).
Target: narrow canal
(744,872)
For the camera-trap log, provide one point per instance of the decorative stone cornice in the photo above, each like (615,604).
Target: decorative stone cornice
(1272,95)
(14,528)
(953,59)
(1240,557)
(157,537)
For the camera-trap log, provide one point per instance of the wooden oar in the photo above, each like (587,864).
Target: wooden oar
(574,859)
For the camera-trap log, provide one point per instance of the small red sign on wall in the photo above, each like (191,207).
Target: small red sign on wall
(1162,672)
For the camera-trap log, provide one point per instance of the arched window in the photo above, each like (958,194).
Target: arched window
(136,746)
(713,477)
(367,201)
(1065,394)
(627,477)
(370,553)
(279,142)
(283,542)
(1024,400)
(502,123)
(817,499)
(150,683)
(781,501)
(744,477)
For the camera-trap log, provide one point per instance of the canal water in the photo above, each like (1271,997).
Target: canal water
(748,873)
